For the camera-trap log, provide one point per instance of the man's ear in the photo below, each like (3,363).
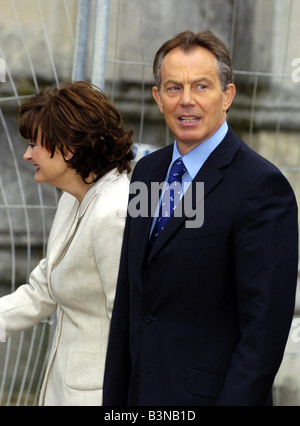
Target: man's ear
(229,95)
(156,96)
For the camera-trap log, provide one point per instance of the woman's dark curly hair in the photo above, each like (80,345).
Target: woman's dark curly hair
(79,118)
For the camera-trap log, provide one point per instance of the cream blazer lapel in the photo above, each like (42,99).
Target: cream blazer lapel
(66,226)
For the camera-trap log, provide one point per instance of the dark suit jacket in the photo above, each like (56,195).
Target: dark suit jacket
(203,317)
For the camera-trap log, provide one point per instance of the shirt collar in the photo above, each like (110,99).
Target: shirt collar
(195,159)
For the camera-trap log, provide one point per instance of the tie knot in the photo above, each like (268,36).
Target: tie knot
(177,170)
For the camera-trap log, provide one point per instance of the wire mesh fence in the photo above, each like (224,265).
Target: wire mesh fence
(44,43)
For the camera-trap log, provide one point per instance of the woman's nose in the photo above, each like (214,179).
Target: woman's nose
(27,154)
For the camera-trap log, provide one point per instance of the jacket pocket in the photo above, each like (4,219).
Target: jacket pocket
(85,369)
(204,383)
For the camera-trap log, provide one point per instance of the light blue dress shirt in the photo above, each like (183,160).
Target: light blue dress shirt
(194,160)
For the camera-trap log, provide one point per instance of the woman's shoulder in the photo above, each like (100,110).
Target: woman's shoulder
(111,183)
(67,201)
(113,196)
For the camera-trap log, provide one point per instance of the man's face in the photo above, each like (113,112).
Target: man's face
(191,97)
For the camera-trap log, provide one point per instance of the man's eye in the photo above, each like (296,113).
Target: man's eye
(173,89)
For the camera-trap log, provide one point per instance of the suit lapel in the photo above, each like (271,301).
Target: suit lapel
(157,173)
(63,234)
(211,175)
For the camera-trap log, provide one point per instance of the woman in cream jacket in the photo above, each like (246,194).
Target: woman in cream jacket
(79,144)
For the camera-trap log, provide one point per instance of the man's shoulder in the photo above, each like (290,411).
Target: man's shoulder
(248,157)
(255,160)
(160,157)
(155,155)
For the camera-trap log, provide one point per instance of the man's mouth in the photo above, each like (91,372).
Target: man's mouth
(188,119)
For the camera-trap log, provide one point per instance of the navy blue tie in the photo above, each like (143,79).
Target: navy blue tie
(170,198)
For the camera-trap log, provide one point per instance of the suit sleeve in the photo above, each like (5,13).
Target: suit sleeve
(266,256)
(118,363)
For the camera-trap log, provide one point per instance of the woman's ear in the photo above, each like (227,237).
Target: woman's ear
(68,155)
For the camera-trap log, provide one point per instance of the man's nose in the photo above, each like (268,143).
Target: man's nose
(27,154)
(187,97)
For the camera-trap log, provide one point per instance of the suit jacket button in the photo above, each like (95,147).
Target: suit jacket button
(148,318)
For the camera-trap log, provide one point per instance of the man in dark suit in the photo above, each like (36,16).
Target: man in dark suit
(202,313)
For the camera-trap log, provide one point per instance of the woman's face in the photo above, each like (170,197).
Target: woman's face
(54,171)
